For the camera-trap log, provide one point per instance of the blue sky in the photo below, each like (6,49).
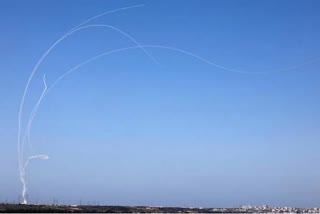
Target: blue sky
(124,130)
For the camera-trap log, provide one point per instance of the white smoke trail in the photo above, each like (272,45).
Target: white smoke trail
(74,31)
(24,187)
(19,145)
(36,107)
(120,31)
(224,68)
(27,133)
(48,89)
(43,157)
(22,166)
(105,13)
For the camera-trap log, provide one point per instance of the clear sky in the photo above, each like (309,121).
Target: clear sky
(124,130)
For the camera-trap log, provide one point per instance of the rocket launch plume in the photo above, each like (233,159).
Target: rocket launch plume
(25,136)
(20,144)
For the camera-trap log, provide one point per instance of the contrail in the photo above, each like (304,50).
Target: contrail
(19,146)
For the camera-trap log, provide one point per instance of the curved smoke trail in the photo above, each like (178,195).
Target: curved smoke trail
(22,166)
(19,145)
(41,60)
(36,107)
(74,31)
(43,157)
(48,89)
(223,68)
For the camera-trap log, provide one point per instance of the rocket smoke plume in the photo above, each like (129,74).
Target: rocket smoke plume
(23,137)
(20,146)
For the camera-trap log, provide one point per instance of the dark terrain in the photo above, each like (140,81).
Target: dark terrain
(21,208)
(31,208)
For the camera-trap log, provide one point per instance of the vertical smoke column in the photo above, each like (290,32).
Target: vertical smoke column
(20,145)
